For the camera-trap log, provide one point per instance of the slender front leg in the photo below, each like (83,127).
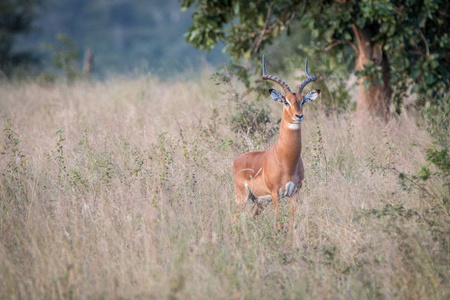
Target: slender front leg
(276,207)
(293,206)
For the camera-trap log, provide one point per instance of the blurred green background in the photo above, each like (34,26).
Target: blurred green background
(123,35)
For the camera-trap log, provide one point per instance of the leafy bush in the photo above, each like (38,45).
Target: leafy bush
(65,56)
(437,168)
(249,118)
(333,72)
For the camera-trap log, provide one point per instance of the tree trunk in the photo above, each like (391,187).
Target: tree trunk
(376,99)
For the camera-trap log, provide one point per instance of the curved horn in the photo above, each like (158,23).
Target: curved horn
(307,80)
(266,76)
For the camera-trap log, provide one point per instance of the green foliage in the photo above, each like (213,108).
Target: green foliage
(433,178)
(225,74)
(16,158)
(65,56)
(412,36)
(438,119)
(371,74)
(15,171)
(244,26)
(58,153)
(250,118)
(15,20)
(124,36)
(332,68)
(46,78)
(11,139)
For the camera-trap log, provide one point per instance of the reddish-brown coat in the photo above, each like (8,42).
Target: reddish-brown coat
(266,172)
(265,176)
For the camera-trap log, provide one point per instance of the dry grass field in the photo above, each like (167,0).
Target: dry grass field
(123,190)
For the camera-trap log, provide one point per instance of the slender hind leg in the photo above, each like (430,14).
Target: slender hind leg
(241,196)
(241,191)
(261,203)
(246,200)
(256,205)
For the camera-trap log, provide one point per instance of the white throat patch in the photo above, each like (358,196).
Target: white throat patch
(294,126)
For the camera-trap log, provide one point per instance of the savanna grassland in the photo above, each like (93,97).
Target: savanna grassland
(123,189)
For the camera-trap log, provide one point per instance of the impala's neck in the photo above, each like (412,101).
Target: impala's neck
(289,144)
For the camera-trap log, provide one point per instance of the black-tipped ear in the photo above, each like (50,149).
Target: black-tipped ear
(310,96)
(276,95)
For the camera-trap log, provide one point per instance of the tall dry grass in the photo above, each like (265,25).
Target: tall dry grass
(123,189)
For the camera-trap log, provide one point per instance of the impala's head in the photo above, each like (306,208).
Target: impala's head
(292,102)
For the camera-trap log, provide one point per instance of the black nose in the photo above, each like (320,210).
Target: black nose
(318,91)
(298,116)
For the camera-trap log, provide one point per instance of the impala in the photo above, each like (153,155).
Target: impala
(264,176)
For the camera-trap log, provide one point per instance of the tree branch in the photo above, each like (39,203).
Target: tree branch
(331,46)
(285,19)
(353,46)
(425,42)
(336,43)
(258,42)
